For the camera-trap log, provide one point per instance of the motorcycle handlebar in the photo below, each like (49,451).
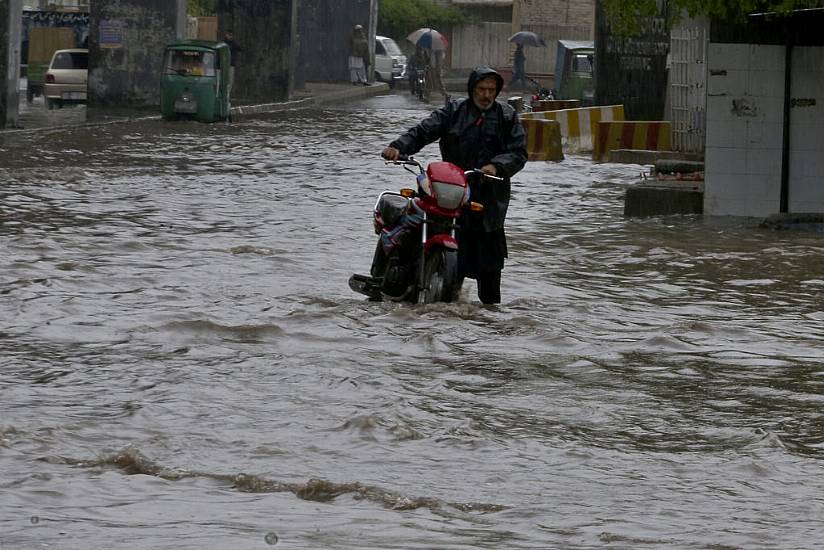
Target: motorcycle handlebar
(407,160)
(483,174)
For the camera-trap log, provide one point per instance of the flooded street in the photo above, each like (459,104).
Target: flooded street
(184,365)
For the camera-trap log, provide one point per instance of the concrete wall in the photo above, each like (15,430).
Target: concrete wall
(745,107)
(806,183)
(575,13)
(10,39)
(126,43)
(265,30)
(324,27)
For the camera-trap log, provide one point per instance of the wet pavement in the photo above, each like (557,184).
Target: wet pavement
(184,366)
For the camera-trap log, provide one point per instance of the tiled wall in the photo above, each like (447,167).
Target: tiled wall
(558,12)
(745,99)
(745,103)
(807,131)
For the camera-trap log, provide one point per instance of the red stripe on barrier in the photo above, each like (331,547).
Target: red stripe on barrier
(627,135)
(653,131)
(603,136)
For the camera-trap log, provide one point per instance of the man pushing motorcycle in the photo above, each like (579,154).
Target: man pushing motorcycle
(477,132)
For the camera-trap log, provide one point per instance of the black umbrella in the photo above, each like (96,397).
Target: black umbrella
(528,38)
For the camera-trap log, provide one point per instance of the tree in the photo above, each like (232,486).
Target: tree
(198,8)
(397,18)
(624,14)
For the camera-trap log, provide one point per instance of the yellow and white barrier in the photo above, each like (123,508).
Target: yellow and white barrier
(631,134)
(543,139)
(579,126)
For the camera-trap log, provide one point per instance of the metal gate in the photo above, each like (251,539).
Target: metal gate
(688,85)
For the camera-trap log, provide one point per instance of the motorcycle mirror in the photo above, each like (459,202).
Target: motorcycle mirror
(407,192)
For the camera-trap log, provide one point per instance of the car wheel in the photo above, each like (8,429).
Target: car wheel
(49,103)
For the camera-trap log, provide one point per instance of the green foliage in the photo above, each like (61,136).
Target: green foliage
(398,18)
(624,14)
(199,8)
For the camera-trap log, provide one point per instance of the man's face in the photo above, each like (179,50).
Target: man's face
(484,93)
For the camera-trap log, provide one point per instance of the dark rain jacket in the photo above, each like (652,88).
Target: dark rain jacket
(472,138)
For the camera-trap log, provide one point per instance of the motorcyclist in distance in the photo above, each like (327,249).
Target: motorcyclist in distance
(477,132)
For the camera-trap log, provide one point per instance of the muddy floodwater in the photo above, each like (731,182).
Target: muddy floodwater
(182,363)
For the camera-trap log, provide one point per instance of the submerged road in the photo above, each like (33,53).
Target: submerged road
(184,366)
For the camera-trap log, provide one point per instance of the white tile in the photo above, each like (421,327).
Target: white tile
(808,60)
(771,109)
(763,187)
(766,84)
(726,134)
(726,160)
(726,186)
(767,58)
(806,136)
(732,83)
(765,162)
(806,195)
(766,208)
(807,164)
(719,109)
(729,56)
(766,135)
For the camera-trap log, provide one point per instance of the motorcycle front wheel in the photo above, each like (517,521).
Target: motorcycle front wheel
(440,277)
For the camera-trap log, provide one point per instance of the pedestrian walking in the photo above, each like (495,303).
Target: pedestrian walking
(519,67)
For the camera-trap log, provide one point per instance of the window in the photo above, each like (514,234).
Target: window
(582,63)
(71,60)
(392,48)
(379,49)
(190,62)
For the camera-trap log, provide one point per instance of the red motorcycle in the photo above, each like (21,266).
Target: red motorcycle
(416,259)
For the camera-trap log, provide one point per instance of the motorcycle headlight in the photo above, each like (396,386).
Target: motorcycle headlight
(449,195)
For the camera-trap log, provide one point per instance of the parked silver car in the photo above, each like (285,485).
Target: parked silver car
(390,62)
(67,78)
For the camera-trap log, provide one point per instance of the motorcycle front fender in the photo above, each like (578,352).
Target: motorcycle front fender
(446,241)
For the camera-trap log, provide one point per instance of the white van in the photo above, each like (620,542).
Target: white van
(390,63)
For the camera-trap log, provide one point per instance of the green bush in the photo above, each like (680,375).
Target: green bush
(398,18)
(624,14)
(199,8)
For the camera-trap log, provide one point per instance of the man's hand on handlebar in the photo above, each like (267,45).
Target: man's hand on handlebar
(489,169)
(390,153)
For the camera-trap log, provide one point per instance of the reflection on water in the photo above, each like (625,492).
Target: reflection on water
(185,366)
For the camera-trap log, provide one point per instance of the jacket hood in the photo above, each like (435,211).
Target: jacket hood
(479,73)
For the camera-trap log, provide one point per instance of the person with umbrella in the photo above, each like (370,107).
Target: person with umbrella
(430,49)
(521,39)
(518,67)
(477,132)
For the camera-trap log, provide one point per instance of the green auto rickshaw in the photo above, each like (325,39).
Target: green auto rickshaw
(573,70)
(196,81)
